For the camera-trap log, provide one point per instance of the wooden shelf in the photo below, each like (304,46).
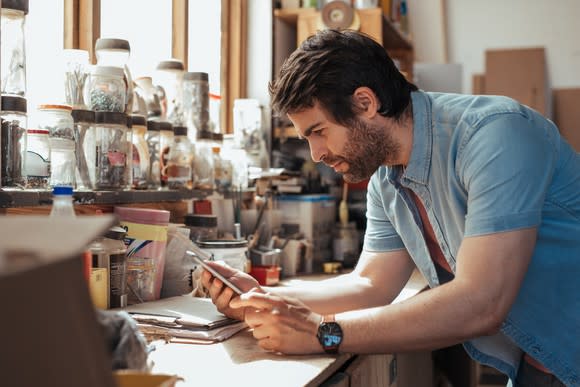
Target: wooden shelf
(290,15)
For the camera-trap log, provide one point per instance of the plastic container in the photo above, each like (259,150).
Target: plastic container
(154,147)
(62,202)
(201,227)
(106,90)
(232,252)
(13,141)
(140,166)
(38,159)
(178,169)
(13,51)
(109,252)
(146,241)
(266,275)
(114,149)
(57,119)
(86,148)
(116,52)
(196,103)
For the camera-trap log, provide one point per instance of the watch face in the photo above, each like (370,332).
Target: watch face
(330,336)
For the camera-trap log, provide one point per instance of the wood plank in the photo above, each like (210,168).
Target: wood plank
(89,28)
(180,30)
(71,24)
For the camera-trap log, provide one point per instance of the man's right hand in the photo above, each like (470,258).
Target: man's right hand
(221,295)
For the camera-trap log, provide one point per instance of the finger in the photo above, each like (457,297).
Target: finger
(226,271)
(224,298)
(258,301)
(258,317)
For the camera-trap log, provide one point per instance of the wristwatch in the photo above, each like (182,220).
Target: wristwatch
(329,334)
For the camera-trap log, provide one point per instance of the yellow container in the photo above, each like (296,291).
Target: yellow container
(139,379)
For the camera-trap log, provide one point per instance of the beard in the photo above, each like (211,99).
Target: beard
(367,148)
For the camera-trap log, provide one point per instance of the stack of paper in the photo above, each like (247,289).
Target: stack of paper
(185,319)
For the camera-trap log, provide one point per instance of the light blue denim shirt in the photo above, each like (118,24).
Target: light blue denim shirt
(482,165)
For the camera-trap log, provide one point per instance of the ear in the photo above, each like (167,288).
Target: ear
(366,101)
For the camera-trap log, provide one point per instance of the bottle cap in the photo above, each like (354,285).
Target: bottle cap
(112,44)
(62,190)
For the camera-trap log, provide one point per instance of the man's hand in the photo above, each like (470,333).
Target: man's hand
(221,295)
(280,324)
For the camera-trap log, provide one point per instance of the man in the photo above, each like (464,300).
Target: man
(480,193)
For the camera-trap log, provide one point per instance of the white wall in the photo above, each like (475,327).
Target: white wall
(476,25)
(259,50)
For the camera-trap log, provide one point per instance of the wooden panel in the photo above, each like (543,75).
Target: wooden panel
(567,114)
(180,30)
(518,73)
(371,371)
(71,24)
(89,26)
(233,61)
(478,84)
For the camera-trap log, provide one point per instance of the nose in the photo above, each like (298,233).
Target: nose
(317,150)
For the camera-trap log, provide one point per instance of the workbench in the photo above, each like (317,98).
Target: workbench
(239,361)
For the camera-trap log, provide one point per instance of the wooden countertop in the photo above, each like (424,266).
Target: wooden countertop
(239,361)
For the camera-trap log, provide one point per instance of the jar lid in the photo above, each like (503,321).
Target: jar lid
(222,244)
(18,5)
(37,131)
(143,215)
(112,71)
(49,106)
(217,136)
(138,119)
(14,103)
(171,64)
(116,118)
(199,220)
(62,190)
(166,126)
(81,115)
(180,130)
(204,135)
(153,125)
(195,76)
(117,233)
(112,44)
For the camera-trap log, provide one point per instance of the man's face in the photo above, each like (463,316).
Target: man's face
(355,152)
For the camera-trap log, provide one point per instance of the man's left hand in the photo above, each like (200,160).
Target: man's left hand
(280,324)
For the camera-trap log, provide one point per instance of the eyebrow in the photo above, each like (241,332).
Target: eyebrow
(308,131)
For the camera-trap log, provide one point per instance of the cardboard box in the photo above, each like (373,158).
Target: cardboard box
(50,335)
(520,74)
(567,114)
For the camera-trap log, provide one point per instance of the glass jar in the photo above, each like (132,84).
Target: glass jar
(145,90)
(85,148)
(203,162)
(196,103)
(116,52)
(154,175)
(13,141)
(214,113)
(179,160)
(108,252)
(12,47)
(165,142)
(106,90)
(141,159)
(57,119)
(38,159)
(113,146)
(222,170)
(201,227)
(75,76)
(169,75)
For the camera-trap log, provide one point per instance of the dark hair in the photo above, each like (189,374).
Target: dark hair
(329,66)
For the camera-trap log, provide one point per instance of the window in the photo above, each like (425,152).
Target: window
(44,68)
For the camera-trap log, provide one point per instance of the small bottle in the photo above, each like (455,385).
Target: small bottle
(140,152)
(222,170)
(62,202)
(179,160)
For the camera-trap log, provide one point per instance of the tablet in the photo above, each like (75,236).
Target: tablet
(214,272)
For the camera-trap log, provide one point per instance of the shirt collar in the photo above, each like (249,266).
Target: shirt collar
(420,161)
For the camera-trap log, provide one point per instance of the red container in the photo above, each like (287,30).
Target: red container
(266,275)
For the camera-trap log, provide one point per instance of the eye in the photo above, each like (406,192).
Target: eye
(319,132)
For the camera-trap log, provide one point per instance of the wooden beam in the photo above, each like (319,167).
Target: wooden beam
(89,26)
(234,58)
(71,24)
(180,30)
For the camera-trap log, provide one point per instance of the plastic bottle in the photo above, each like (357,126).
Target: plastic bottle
(62,202)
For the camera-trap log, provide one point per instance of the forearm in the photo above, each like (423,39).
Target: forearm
(333,295)
(440,317)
